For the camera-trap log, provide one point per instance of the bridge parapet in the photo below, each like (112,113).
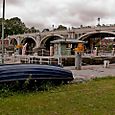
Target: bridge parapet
(69,33)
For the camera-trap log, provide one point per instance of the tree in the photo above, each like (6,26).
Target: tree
(32,30)
(0,27)
(61,27)
(15,26)
(45,30)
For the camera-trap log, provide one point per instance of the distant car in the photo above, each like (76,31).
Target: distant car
(19,72)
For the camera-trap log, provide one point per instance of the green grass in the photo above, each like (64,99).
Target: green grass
(96,97)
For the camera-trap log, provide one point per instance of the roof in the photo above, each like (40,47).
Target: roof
(67,41)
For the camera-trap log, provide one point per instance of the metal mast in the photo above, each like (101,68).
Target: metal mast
(3,20)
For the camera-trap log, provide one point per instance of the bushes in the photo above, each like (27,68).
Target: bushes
(10,88)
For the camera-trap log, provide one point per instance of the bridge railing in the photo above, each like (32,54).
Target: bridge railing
(53,60)
(31,59)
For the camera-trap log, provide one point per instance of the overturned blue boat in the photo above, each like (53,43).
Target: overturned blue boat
(19,72)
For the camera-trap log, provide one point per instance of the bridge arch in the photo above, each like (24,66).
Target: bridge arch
(93,39)
(31,43)
(101,34)
(13,42)
(45,42)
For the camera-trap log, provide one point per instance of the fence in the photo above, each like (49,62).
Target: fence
(31,59)
(55,60)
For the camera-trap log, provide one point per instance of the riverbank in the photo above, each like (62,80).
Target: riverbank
(92,71)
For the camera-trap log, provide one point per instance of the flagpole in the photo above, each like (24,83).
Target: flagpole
(3,20)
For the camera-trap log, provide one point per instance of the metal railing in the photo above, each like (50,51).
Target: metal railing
(30,59)
(56,60)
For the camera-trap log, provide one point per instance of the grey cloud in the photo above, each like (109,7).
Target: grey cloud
(13,2)
(39,25)
(44,13)
(83,13)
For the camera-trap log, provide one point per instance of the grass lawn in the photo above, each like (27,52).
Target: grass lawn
(96,97)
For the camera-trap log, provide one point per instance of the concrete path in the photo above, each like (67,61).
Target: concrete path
(92,71)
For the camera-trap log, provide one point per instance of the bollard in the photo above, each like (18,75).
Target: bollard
(78,61)
(106,63)
(13,58)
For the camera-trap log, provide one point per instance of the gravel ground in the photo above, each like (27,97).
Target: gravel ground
(92,71)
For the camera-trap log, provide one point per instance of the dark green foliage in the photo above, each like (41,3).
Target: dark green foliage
(61,27)
(15,26)
(10,88)
(45,30)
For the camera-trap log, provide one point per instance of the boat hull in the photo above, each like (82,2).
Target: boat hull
(18,72)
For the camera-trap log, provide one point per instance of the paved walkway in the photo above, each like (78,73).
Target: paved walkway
(92,71)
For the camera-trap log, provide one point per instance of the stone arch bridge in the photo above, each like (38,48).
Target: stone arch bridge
(42,39)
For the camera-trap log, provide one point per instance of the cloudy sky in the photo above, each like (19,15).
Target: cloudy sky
(45,13)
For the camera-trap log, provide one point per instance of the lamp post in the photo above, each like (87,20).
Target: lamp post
(3,19)
(98,21)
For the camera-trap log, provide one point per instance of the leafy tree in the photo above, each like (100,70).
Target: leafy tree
(45,30)
(32,30)
(15,26)
(61,27)
(0,27)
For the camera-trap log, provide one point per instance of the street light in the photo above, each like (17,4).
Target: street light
(3,19)
(98,21)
